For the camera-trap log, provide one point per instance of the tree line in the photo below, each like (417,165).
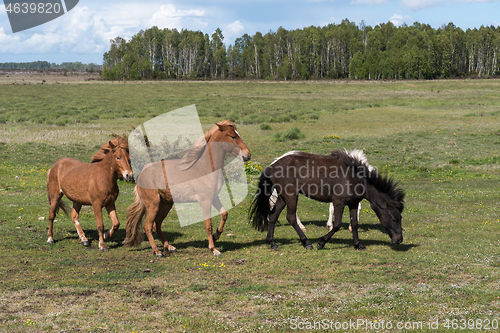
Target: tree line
(42,65)
(344,50)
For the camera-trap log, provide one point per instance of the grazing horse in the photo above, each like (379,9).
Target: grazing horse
(338,178)
(91,184)
(196,177)
(356,153)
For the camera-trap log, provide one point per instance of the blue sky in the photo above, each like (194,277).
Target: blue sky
(83,33)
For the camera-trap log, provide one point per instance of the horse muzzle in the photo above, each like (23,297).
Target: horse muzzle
(397,239)
(246,158)
(127,176)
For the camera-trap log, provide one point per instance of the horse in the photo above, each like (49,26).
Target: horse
(339,178)
(93,184)
(196,177)
(356,153)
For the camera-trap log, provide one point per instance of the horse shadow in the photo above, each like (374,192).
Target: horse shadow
(348,242)
(116,241)
(229,245)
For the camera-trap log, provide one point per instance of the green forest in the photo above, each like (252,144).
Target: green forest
(345,50)
(42,65)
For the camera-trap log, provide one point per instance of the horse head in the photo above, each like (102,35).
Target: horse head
(121,157)
(390,218)
(232,141)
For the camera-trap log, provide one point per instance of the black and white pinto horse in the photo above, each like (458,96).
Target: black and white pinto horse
(355,153)
(338,178)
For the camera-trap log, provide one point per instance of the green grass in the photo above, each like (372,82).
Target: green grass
(440,139)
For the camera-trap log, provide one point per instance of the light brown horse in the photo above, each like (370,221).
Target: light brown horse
(196,177)
(91,184)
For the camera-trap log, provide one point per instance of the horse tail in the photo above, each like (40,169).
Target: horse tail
(62,205)
(260,207)
(50,189)
(135,212)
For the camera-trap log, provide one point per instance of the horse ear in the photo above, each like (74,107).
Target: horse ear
(111,145)
(221,127)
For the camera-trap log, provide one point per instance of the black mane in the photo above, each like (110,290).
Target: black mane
(383,184)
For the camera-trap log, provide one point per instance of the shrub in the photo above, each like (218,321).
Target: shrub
(293,133)
(265,127)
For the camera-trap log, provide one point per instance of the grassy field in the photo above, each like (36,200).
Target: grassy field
(441,139)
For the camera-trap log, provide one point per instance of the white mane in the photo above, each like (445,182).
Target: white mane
(360,156)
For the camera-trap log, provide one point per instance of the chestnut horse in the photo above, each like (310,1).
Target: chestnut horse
(339,178)
(196,177)
(91,184)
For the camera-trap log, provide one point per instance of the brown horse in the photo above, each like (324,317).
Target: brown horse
(91,184)
(196,177)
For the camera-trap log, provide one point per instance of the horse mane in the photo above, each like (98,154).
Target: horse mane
(105,148)
(383,184)
(195,152)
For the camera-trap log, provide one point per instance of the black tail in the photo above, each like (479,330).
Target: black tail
(260,208)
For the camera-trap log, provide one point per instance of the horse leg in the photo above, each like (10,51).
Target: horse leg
(54,203)
(272,218)
(163,211)
(359,210)
(337,223)
(223,218)
(354,213)
(301,226)
(116,224)
(152,208)
(291,213)
(100,225)
(205,210)
(75,214)
(331,211)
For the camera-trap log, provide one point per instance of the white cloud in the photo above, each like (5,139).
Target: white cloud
(332,20)
(233,30)
(127,15)
(421,4)
(79,31)
(86,31)
(7,40)
(369,2)
(170,17)
(397,19)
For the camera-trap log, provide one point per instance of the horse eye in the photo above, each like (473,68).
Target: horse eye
(233,137)
(118,158)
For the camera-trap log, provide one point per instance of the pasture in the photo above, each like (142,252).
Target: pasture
(440,139)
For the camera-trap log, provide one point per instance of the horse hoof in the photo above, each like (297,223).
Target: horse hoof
(172,251)
(274,247)
(104,249)
(106,235)
(359,247)
(320,245)
(50,241)
(217,253)
(309,247)
(159,255)
(86,243)
(215,236)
